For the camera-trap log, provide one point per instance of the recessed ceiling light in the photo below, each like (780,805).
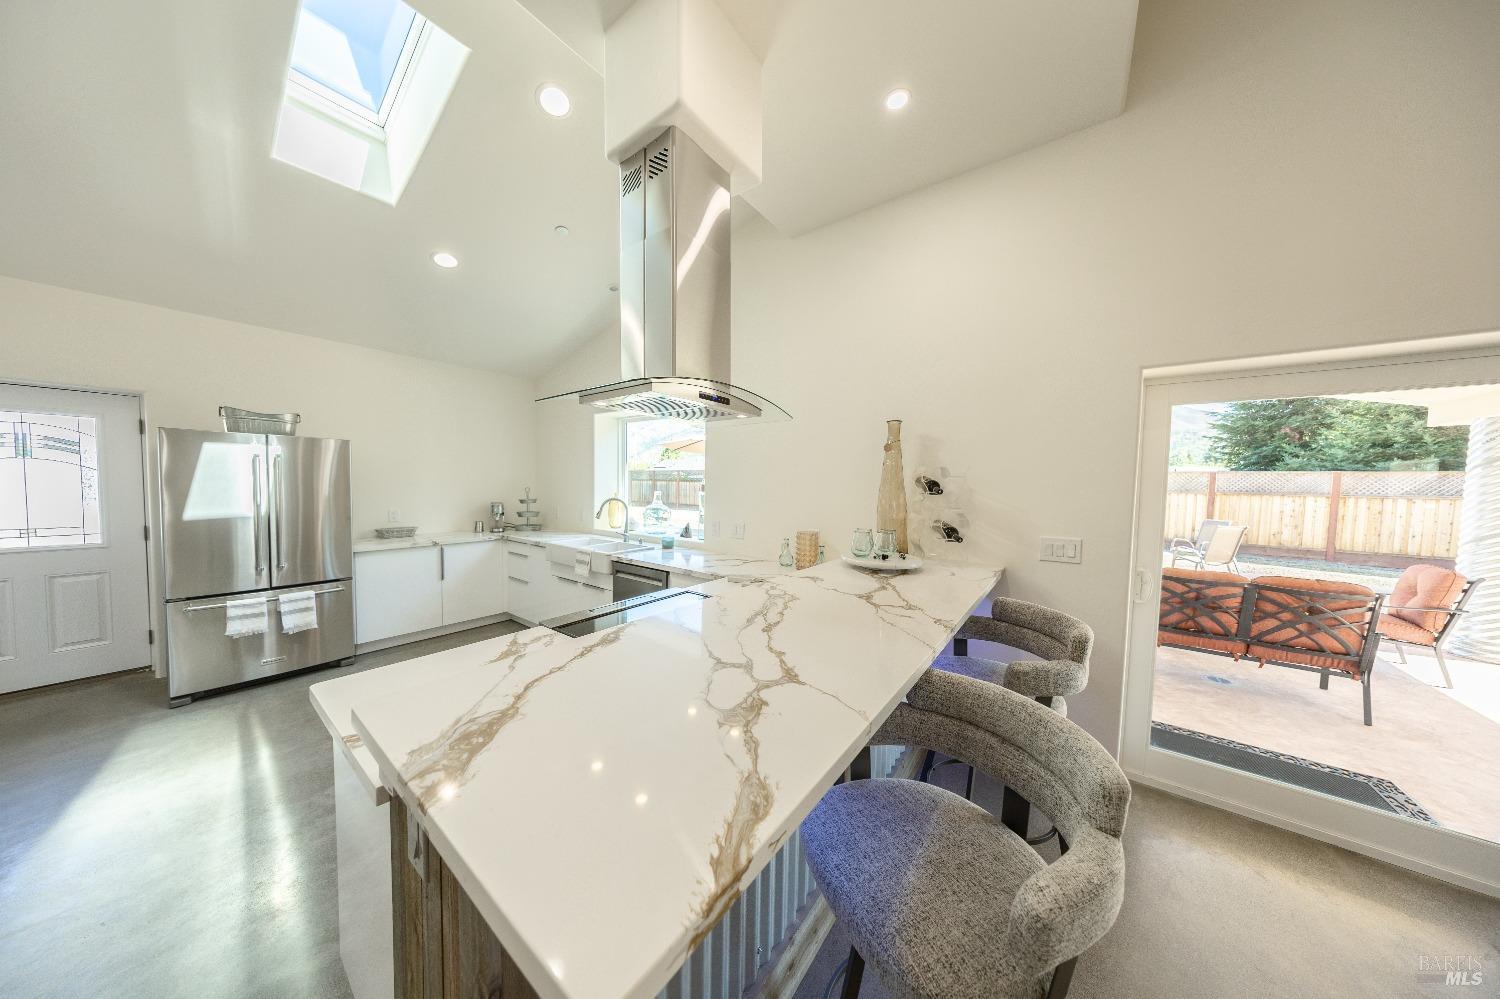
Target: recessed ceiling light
(553,100)
(561,230)
(444,259)
(897,99)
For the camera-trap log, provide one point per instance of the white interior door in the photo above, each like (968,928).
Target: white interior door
(1427,847)
(73,597)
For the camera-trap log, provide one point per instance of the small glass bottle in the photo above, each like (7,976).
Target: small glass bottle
(786,552)
(657,517)
(822,553)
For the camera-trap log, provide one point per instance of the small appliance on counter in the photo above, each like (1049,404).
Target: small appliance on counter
(497,514)
(257,554)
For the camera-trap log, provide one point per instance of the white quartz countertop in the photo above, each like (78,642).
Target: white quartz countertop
(688,561)
(604,799)
(424,540)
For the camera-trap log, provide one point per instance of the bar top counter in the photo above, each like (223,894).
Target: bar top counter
(604,799)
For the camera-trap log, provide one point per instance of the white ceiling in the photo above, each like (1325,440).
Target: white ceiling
(136,163)
(135,159)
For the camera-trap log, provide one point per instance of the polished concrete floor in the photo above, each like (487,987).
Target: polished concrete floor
(1220,907)
(148,852)
(190,853)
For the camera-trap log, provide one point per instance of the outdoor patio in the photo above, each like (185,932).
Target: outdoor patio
(1441,747)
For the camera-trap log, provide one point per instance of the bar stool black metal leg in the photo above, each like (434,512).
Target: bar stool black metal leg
(1061,979)
(854,974)
(969,787)
(1015,812)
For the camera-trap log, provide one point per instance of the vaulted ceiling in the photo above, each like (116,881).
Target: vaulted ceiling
(136,154)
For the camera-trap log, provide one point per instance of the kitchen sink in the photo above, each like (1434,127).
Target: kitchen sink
(617,547)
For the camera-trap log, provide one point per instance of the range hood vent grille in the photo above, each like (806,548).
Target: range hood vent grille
(658,163)
(630,182)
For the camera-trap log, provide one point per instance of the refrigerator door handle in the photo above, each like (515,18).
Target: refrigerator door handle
(260,565)
(278,499)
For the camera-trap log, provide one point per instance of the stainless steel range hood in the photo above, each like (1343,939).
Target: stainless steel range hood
(674,290)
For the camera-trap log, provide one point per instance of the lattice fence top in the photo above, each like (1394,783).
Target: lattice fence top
(1187,482)
(1277,483)
(1403,484)
(1411,484)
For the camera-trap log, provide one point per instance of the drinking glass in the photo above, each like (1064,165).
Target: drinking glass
(885,544)
(863,543)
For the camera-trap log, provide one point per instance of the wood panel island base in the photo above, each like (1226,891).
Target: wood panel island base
(443,948)
(763,946)
(612,815)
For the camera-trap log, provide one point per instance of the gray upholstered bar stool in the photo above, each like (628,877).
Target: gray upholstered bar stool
(945,900)
(1061,642)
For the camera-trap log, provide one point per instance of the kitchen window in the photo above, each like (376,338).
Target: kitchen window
(664,459)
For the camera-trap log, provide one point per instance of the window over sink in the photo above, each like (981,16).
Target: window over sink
(663,464)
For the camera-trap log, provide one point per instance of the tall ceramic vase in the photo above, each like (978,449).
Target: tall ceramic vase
(890,502)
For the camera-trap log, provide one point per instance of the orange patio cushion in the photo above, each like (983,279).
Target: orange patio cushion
(1232,646)
(1284,618)
(1400,630)
(1426,585)
(1281,654)
(1201,601)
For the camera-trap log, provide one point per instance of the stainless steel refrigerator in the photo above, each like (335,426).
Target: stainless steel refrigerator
(252,516)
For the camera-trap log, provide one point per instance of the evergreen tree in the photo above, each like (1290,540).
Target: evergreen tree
(1318,434)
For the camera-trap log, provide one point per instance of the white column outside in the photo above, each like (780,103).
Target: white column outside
(1478,634)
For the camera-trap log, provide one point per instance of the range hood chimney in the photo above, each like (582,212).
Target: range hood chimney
(674,289)
(683,121)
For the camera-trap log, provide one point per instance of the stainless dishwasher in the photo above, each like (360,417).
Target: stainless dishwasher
(634,580)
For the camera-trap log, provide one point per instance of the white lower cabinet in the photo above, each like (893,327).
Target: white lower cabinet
(473,576)
(525,575)
(396,592)
(569,596)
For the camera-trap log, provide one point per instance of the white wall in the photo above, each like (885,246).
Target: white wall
(435,441)
(1288,175)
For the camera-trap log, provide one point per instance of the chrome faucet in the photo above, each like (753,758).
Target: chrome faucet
(605,505)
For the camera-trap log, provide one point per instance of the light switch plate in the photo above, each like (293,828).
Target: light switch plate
(393,516)
(739,532)
(1062,550)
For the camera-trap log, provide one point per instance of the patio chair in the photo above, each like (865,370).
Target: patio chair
(1193,549)
(1223,548)
(1425,605)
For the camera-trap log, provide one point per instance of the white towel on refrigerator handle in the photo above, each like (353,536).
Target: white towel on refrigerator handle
(299,611)
(582,564)
(245,617)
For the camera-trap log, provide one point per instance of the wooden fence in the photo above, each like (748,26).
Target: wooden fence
(680,489)
(1373,517)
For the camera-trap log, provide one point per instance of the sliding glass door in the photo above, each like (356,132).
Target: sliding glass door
(1313,638)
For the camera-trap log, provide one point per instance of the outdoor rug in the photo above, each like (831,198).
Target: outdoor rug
(1362,789)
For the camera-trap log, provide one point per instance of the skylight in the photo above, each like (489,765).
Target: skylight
(367,83)
(355,52)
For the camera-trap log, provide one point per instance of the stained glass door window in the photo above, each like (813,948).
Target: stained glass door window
(49,480)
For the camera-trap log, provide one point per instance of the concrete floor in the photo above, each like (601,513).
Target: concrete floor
(1441,751)
(190,853)
(1219,906)
(147,852)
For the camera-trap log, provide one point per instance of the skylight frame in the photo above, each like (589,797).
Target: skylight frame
(322,98)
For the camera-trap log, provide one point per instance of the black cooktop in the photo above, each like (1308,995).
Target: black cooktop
(598,618)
